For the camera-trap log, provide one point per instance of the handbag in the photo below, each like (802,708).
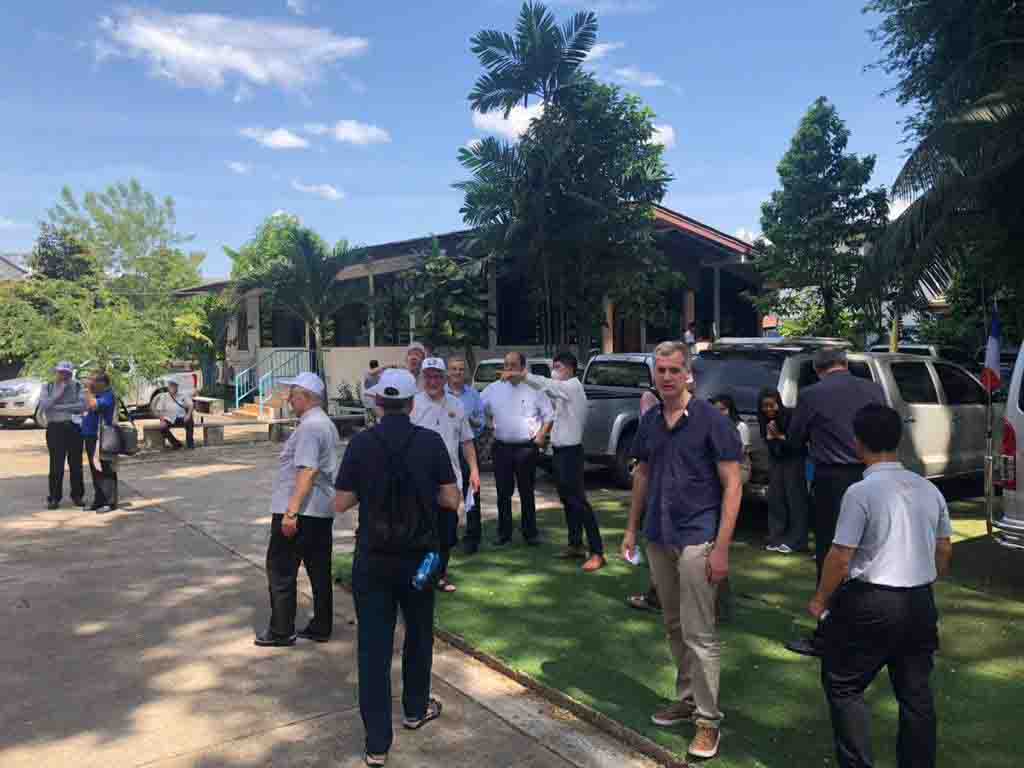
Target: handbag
(110,438)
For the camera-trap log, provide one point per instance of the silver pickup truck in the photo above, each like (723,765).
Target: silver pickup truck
(943,405)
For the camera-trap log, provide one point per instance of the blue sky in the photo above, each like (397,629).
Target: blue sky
(350,114)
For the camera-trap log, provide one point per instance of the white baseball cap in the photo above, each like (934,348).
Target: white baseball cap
(64,367)
(434,364)
(416,346)
(307,381)
(394,384)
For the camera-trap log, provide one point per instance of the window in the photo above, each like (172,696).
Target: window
(914,382)
(808,375)
(540,369)
(960,388)
(242,327)
(861,370)
(619,373)
(487,373)
(741,375)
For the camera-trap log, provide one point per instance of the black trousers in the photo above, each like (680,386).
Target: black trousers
(473,527)
(189,426)
(868,628)
(64,444)
(104,477)
(311,545)
(515,466)
(788,503)
(830,483)
(579,515)
(449,536)
(378,597)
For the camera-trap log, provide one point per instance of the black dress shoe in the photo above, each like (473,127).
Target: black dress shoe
(316,637)
(534,542)
(79,502)
(807,646)
(470,547)
(268,639)
(51,504)
(501,542)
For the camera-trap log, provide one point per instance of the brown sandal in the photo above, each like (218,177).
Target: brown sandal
(443,585)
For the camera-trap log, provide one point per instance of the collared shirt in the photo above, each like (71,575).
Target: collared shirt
(104,408)
(67,405)
(313,445)
(473,406)
(172,407)
(570,408)
(364,468)
(824,417)
(893,518)
(684,492)
(446,417)
(518,410)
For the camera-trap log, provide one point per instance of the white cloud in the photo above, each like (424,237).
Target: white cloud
(896,208)
(326,191)
(665,135)
(609,7)
(298,7)
(513,127)
(242,93)
(6,224)
(746,235)
(361,134)
(316,129)
(202,50)
(240,168)
(638,77)
(279,138)
(600,50)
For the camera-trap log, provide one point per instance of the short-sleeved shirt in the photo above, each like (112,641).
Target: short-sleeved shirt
(313,445)
(519,411)
(684,492)
(893,518)
(824,417)
(172,407)
(473,406)
(104,408)
(365,465)
(446,417)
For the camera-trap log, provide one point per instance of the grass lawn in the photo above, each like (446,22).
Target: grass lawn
(573,632)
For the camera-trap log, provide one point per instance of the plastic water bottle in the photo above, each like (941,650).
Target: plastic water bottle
(425,573)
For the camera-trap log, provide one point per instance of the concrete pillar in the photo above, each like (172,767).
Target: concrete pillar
(608,328)
(716,331)
(372,318)
(412,327)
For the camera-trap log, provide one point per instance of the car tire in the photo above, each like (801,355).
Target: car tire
(149,405)
(622,469)
(39,418)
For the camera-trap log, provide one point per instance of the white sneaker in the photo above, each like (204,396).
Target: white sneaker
(783,549)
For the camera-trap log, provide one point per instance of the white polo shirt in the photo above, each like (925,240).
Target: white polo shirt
(518,410)
(447,417)
(893,517)
(570,408)
(170,407)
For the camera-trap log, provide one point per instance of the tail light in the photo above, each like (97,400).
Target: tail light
(1009,457)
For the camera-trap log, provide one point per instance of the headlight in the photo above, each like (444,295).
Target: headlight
(15,390)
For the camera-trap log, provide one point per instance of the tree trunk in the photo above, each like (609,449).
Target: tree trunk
(829,308)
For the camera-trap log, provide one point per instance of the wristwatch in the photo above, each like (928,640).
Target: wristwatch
(291,516)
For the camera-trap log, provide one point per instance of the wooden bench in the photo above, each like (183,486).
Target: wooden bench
(213,434)
(211,405)
(152,436)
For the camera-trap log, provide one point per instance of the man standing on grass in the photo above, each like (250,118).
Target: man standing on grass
(688,479)
(875,596)
(522,419)
(400,475)
(436,410)
(302,517)
(474,408)
(566,391)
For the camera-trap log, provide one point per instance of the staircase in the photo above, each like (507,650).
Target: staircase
(258,391)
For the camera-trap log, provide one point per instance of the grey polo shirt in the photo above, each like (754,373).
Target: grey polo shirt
(313,445)
(893,518)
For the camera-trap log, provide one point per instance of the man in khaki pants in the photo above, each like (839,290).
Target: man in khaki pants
(688,478)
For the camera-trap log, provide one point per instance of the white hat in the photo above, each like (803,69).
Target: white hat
(394,384)
(64,367)
(307,381)
(434,364)
(418,347)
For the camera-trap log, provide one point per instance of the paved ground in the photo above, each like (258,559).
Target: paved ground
(129,639)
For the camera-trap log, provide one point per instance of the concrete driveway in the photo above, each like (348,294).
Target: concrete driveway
(129,639)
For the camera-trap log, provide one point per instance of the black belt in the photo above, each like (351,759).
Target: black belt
(514,445)
(859,584)
(557,448)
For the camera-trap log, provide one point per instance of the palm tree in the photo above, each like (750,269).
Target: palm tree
(541,60)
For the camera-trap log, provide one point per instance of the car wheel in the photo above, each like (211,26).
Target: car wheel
(622,469)
(39,418)
(149,407)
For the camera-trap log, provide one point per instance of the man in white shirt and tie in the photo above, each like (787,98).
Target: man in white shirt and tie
(175,410)
(522,418)
(566,390)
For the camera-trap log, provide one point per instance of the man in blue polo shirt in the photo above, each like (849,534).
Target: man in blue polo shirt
(688,478)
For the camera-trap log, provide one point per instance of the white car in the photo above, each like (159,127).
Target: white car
(1008,527)
(19,400)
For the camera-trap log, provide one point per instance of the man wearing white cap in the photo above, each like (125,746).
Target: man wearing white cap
(436,410)
(62,403)
(415,354)
(302,516)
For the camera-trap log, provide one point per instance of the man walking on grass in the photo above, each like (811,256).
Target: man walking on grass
(474,408)
(400,475)
(875,597)
(688,479)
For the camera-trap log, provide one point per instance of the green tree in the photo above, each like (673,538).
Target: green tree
(817,224)
(268,244)
(59,256)
(541,59)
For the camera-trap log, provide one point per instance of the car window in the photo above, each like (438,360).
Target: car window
(861,370)
(960,388)
(487,372)
(954,354)
(540,369)
(914,382)
(808,375)
(741,375)
(619,373)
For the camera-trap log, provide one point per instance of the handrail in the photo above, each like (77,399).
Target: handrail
(289,365)
(248,381)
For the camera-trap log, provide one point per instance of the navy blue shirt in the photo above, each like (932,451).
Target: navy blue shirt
(824,417)
(684,493)
(104,408)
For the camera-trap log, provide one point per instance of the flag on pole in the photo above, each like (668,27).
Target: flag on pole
(990,375)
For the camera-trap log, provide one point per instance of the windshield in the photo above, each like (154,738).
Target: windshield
(487,372)
(619,373)
(742,376)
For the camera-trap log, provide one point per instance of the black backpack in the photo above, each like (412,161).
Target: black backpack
(401,520)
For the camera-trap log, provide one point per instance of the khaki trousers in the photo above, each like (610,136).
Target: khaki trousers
(689,606)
